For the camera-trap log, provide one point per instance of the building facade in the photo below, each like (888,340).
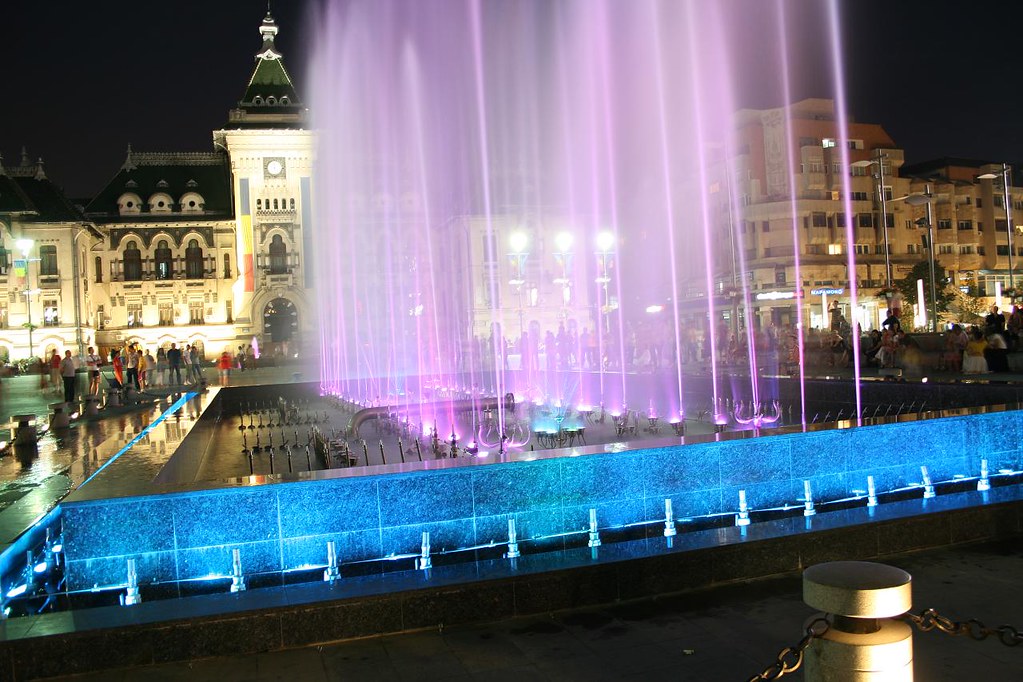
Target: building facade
(205,248)
(783,197)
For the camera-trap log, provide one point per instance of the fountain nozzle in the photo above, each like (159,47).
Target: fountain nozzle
(984,483)
(742,518)
(237,577)
(332,573)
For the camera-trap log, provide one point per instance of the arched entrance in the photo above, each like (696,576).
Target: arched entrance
(280,323)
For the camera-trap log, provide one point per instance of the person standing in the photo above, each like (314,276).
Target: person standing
(174,362)
(196,367)
(149,378)
(143,367)
(186,362)
(224,366)
(55,371)
(118,363)
(92,362)
(161,367)
(67,373)
(132,365)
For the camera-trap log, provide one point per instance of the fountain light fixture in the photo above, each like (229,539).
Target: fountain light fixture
(25,246)
(605,241)
(654,309)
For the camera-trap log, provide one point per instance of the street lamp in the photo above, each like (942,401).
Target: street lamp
(917,200)
(879,162)
(563,245)
(25,246)
(518,241)
(1008,213)
(605,247)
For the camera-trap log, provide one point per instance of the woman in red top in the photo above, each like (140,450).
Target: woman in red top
(224,365)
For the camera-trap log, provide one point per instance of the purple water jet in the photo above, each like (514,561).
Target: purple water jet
(512,193)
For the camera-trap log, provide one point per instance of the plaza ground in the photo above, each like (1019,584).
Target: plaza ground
(726,633)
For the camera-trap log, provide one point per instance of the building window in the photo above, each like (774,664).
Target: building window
(966,249)
(913,249)
(865,220)
(164,260)
(51,313)
(132,262)
(859,196)
(1001,225)
(134,314)
(48,261)
(944,249)
(999,203)
(166,309)
(765,226)
(965,225)
(3,259)
(227,266)
(819,219)
(840,220)
(980,202)
(1002,250)
(195,315)
(862,249)
(193,260)
(278,256)
(834,249)
(944,223)
(888,195)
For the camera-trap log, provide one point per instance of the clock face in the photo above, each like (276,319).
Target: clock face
(274,167)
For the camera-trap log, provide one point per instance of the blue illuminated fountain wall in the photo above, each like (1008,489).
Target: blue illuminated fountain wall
(602,132)
(285,526)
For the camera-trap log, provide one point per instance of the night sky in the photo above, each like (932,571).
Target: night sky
(83,80)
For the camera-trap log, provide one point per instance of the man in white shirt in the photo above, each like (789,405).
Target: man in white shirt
(67,373)
(131,366)
(186,361)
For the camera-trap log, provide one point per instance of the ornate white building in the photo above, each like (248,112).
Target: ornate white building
(203,248)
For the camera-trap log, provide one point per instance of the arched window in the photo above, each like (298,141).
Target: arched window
(276,206)
(193,260)
(99,270)
(292,204)
(164,260)
(278,256)
(48,260)
(259,204)
(227,266)
(132,262)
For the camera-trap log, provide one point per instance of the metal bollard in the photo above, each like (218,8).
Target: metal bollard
(864,641)
(59,418)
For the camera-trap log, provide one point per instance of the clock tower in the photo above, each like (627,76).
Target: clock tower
(271,158)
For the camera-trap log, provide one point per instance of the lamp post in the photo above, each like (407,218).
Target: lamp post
(25,246)
(916,200)
(563,245)
(518,241)
(605,247)
(1008,213)
(879,162)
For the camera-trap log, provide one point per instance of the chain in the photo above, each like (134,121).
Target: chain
(929,619)
(791,657)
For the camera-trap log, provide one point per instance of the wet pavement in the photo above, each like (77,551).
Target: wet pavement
(725,633)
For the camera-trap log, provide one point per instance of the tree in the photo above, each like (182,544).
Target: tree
(968,306)
(907,285)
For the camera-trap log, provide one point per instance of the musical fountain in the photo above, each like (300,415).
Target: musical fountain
(521,260)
